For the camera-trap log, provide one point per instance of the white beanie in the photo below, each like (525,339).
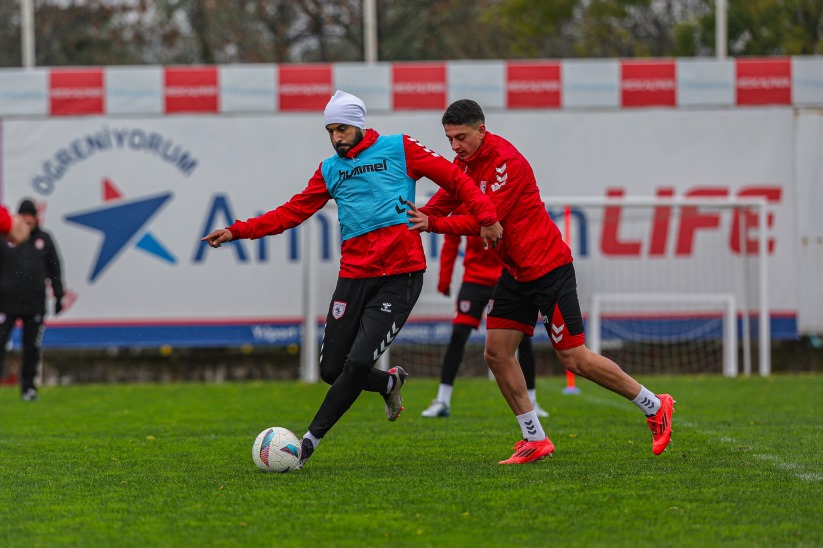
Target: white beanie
(345,108)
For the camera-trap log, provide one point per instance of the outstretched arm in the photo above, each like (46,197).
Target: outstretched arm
(299,208)
(218,237)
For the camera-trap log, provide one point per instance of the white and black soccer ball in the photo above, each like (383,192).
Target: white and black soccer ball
(276,449)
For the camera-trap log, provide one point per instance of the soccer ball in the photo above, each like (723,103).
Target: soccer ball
(276,449)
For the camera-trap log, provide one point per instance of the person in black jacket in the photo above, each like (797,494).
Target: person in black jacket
(24,269)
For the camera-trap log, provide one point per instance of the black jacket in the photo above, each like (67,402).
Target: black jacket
(24,269)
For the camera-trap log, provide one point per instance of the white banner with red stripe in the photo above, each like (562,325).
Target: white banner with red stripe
(567,84)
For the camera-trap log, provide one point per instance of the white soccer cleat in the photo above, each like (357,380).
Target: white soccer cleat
(436,409)
(540,411)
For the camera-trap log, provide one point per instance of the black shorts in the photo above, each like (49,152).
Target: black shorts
(515,305)
(364,317)
(472,301)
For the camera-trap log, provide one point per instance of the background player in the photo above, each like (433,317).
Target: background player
(481,269)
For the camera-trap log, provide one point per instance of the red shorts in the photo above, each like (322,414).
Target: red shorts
(515,305)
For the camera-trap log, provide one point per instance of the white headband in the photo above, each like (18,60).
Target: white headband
(345,108)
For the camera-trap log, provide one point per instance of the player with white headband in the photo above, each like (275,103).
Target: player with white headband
(371,177)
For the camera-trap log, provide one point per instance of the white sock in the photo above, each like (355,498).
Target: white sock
(530,425)
(647,401)
(533,395)
(444,394)
(314,441)
(390,385)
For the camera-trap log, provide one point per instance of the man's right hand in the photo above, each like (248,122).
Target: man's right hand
(218,237)
(491,235)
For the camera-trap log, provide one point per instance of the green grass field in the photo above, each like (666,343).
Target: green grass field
(170,465)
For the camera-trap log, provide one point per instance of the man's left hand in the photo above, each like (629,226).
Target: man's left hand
(419,221)
(491,235)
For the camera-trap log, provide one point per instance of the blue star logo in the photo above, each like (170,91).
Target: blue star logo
(121,224)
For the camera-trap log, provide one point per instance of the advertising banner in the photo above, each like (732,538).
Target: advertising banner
(129,198)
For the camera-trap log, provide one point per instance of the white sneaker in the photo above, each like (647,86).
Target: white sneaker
(436,409)
(29,395)
(539,410)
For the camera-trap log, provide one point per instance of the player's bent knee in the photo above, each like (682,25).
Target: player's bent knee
(574,359)
(330,374)
(356,371)
(358,367)
(494,358)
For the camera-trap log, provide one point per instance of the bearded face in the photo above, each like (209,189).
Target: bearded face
(344,137)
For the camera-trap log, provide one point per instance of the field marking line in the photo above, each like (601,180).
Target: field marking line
(798,470)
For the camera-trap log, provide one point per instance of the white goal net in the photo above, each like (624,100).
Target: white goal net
(666,285)
(671,285)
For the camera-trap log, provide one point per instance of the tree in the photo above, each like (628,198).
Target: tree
(595,28)
(660,28)
(767,27)
(257,31)
(117,32)
(74,33)
(440,29)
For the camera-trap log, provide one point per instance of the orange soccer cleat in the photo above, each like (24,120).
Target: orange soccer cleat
(661,424)
(530,451)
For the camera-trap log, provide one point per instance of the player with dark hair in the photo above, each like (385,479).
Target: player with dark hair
(481,269)
(538,278)
(382,262)
(24,270)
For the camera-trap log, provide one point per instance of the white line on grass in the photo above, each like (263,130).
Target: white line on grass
(796,469)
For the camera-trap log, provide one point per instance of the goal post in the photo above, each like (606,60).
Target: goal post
(673,262)
(669,302)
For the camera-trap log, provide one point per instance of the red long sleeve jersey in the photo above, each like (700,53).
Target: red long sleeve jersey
(480,266)
(385,251)
(532,245)
(5,221)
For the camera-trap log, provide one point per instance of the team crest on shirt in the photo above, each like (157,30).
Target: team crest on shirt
(465,306)
(483,187)
(338,309)
(39,244)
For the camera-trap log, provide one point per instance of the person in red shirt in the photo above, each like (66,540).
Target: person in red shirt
(538,278)
(481,269)
(370,177)
(13,227)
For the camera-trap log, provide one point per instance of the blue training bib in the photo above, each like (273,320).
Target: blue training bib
(370,190)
